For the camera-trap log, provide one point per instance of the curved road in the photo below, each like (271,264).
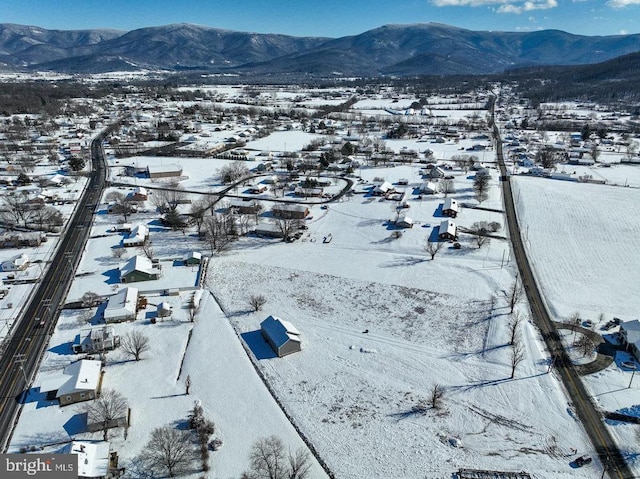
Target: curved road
(30,334)
(606,448)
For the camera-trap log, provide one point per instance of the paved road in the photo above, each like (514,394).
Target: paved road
(606,448)
(31,333)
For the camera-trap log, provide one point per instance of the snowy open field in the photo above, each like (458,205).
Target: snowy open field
(381,324)
(429,322)
(582,244)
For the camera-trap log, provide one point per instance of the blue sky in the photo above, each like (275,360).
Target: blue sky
(330,18)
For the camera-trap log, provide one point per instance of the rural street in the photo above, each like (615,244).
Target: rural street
(592,421)
(29,338)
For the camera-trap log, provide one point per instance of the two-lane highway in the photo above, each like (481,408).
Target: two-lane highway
(31,333)
(592,421)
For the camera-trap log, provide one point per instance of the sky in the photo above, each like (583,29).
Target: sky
(330,18)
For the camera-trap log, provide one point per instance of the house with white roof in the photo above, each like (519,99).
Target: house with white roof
(281,335)
(404,221)
(122,306)
(139,193)
(450,207)
(80,381)
(17,263)
(448,231)
(383,189)
(96,340)
(94,458)
(137,237)
(139,268)
(630,331)
(428,188)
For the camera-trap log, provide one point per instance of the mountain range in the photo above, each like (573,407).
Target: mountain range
(390,50)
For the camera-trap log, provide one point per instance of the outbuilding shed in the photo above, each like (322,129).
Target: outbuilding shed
(281,335)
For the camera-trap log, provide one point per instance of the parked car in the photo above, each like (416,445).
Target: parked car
(628,364)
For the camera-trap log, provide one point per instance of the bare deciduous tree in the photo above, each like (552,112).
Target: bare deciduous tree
(481,186)
(257,301)
(146,250)
(90,299)
(233,172)
(585,345)
(447,186)
(287,226)
(269,461)
(479,230)
(515,294)
(105,410)
(219,231)
(437,396)
(514,328)
(169,450)
(120,204)
(134,344)
(432,247)
(517,355)
(166,200)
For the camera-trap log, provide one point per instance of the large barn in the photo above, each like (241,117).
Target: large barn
(281,335)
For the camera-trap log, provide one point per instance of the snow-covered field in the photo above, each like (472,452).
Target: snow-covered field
(381,322)
(582,244)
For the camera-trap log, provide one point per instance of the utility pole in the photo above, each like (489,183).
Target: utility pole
(19,359)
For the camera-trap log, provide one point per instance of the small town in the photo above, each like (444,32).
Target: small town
(330,240)
(333,261)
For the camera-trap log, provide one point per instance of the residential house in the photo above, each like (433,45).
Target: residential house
(139,193)
(404,221)
(17,263)
(80,381)
(95,459)
(308,192)
(243,207)
(281,335)
(14,239)
(436,172)
(92,340)
(450,207)
(257,189)
(428,188)
(137,237)
(268,230)
(383,189)
(630,332)
(139,268)
(122,306)
(290,211)
(448,231)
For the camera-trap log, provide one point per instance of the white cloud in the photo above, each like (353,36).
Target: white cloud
(466,3)
(527,6)
(507,6)
(622,3)
(623,32)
